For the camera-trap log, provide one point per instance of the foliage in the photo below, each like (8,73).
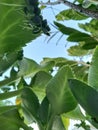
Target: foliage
(57,87)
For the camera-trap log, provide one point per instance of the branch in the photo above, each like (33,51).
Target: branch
(78,8)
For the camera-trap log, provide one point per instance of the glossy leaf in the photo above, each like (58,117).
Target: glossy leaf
(13,32)
(58,92)
(86,96)
(93,71)
(70,14)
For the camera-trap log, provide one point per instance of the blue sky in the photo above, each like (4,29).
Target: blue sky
(39,48)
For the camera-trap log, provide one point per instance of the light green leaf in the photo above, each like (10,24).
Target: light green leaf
(91,27)
(59,61)
(58,124)
(39,82)
(77,51)
(81,72)
(27,68)
(66,122)
(58,92)
(13,31)
(93,71)
(75,114)
(86,96)
(70,14)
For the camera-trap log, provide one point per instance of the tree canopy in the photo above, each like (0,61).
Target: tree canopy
(54,91)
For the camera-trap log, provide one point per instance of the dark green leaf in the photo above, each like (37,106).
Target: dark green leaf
(30,102)
(79,36)
(93,71)
(7,95)
(86,96)
(64,29)
(7,61)
(4,109)
(11,121)
(44,111)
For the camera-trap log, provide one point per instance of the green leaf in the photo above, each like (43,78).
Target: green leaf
(79,36)
(7,95)
(70,14)
(13,32)
(28,68)
(59,61)
(39,82)
(66,122)
(90,44)
(77,51)
(75,114)
(11,121)
(86,96)
(93,71)
(7,61)
(58,124)
(30,102)
(4,109)
(65,30)
(44,111)
(81,72)
(58,92)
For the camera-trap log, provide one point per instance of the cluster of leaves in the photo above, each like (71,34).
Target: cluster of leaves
(86,39)
(34,18)
(57,86)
